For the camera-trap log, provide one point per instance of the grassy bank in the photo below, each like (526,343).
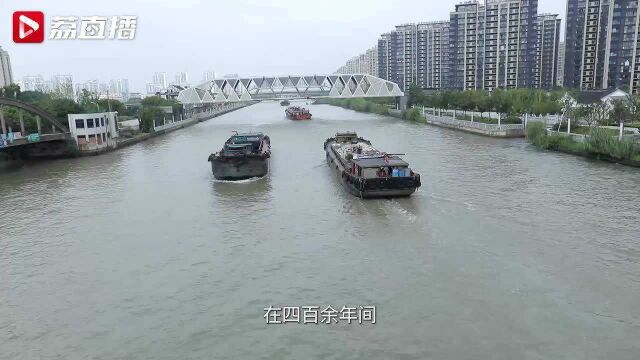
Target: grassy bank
(368,106)
(357,104)
(600,144)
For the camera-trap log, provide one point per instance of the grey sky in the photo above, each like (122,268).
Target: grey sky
(249,37)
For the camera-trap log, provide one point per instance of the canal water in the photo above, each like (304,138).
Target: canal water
(505,252)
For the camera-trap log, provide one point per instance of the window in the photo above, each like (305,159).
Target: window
(102,121)
(79,123)
(89,123)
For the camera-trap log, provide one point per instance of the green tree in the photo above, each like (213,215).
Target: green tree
(149,115)
(619,111)
(33,96)
(501,102)
(60,108)
(11,91)
(483,102)
(416,96)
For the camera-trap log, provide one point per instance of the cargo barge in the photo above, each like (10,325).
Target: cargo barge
(367,172)
(243,156)
(297,113)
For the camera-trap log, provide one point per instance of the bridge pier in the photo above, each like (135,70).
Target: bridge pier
(401,102)
(21,117)
(39,124)
(4,124)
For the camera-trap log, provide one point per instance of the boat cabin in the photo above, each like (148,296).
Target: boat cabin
(242,143)
(380,167)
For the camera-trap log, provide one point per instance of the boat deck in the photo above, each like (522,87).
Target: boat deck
(343,149)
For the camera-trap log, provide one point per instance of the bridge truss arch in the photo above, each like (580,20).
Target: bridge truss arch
(34,110)
(289,87)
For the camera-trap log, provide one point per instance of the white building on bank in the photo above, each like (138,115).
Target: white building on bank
(94,132)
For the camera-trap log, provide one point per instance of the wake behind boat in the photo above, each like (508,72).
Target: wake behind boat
(367,172)
(243,156)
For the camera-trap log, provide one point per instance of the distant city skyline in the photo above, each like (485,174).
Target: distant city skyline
(155,49)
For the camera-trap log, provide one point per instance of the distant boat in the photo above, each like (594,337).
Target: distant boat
(367,172)
(285,103)
(243,156)
(297,113)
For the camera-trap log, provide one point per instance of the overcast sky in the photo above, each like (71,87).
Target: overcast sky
(248,37)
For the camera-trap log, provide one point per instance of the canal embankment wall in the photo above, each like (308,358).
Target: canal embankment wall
(492,130)
(171,127)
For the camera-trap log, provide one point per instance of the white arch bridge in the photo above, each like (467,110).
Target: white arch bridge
(288,87)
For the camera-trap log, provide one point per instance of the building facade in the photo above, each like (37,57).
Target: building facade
(493,45)
(6,73)
(365,63)
(466,46)
(94,132)
(601,46)
(560,72)
(432,59)
(547,51)
(383,56)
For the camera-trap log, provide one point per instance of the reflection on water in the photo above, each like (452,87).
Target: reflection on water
(504,252)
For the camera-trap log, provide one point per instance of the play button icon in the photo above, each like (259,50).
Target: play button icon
(28,27)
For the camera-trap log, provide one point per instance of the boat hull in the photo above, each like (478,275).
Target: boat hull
(380,188)
(299,117)
(239,168)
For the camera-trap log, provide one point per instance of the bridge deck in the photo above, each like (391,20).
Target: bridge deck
(267,88)
(43,138)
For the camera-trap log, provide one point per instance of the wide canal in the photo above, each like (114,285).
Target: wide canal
(505,252)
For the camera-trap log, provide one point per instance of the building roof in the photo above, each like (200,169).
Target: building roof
(593,96)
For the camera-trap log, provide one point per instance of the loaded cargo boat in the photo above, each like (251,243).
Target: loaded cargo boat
(367,172)
(297,113)
(243,156)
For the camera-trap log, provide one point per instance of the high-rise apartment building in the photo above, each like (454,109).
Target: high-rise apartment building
(560,71)
(6,74)
(415,54)
(384,56)
(493,45)
(466,46)
(365,63)
(545,65)
(182,79)
(34,83)
(403,49)
(208,76)
(432,59)
(119,88)
(371,56)
(160,79)
(601,46)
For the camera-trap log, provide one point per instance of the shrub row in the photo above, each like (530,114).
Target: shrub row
(599,142)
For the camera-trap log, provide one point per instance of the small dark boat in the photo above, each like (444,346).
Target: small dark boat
(297,113)
(243,156)
(367,172)
(285,103)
